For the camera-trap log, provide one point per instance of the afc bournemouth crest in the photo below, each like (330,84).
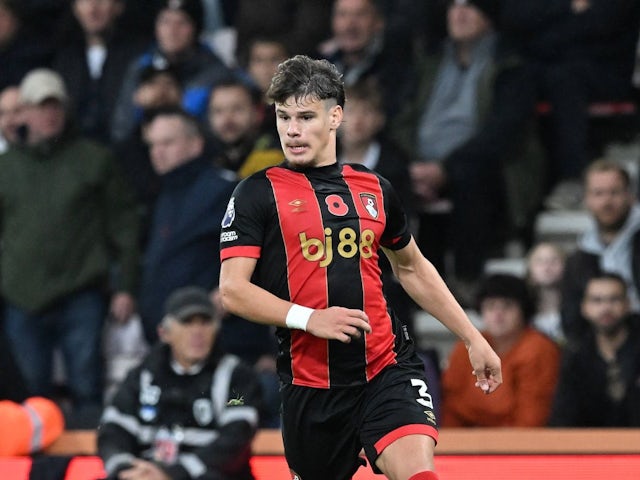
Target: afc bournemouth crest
(370,203)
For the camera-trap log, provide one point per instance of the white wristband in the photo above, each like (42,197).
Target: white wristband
(298,317)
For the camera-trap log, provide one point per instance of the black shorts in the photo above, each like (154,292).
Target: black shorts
(325,430)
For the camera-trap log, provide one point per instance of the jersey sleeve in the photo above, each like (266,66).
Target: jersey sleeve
(396,234)
(243,224)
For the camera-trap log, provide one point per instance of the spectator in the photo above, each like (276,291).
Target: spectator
(577,52)
(235,117)
(189,410)
(464,131)
(545,266)
(264,54)
(10,120)
(362,140)
(182,247)
(177,30)
(612,243)
(598,384)
(303,24)
(65,230)
(21,48)
(530,361)
(158,89)
(359,48)
(94,59)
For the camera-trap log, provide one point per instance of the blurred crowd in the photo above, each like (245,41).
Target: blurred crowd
(126,124)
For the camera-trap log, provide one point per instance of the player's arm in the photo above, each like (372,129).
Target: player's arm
(248,300)
(425,285)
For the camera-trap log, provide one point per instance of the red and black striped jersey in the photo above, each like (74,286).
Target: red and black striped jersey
(316,235)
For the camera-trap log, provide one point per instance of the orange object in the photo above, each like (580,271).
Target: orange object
(29,427)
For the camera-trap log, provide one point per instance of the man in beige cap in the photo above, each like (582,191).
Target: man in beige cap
(70,239)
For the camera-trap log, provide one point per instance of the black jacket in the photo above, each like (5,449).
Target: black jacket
(581,398)
(212,415)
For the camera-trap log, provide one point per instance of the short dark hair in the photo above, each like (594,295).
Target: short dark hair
(504,285)
(367,90)
(232,81)
(301,77)
(605,165)
(615,277)
(191,124)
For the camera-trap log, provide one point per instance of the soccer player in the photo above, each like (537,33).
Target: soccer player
(299,247)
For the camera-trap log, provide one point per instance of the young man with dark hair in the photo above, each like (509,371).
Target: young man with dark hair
(300,248)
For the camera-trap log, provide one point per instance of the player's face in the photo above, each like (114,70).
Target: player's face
(307,129)
(608,199)
(503,318)
(605,304)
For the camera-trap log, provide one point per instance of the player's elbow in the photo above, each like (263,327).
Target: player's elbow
(230,289)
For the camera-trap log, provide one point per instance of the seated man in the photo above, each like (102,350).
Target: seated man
(466,134)
(598,384)
(189,410)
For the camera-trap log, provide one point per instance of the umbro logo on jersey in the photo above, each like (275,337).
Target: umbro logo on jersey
(297,205)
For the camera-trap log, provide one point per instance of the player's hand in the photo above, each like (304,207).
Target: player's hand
(339,323)
(486,365)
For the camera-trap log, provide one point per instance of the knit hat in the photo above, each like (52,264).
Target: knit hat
(502,285)
(191,8)
(491,8)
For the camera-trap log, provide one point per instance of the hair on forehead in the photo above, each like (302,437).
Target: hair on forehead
(189,122)
(605,166)
(608,276)
(302,78)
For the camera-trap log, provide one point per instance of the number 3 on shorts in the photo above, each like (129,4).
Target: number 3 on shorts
(425,397)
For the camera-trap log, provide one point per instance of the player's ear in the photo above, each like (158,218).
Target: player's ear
(335,114)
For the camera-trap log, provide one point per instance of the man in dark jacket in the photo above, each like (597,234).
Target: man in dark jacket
(189,410)
(465,131)
(183,241)
(93,59)
(599,383)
